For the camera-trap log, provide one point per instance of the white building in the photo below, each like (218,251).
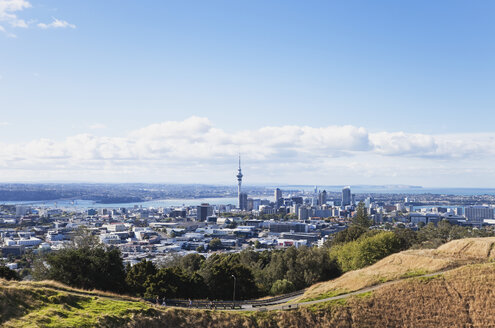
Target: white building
(477,214)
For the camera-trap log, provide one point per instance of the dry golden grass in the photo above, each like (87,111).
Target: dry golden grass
(475,248)
(409,263)
(463,297)
(61,287)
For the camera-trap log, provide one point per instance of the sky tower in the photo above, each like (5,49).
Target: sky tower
(239,183)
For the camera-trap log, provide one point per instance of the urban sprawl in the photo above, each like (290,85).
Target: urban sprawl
(294,218)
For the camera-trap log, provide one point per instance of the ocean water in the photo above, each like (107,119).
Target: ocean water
(400,190)
(84,204)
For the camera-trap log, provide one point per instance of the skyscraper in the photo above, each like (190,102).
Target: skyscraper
(278,196)
(322,198)
(203,211)
(346,196)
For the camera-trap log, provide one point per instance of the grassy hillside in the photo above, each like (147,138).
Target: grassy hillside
(408,264)
(50,304)
(462,297)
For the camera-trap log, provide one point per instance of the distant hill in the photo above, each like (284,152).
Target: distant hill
(460,297)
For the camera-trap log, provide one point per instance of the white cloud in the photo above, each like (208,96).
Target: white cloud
(8,34)
(56,23)
(9,16)
(97,126)
(4,123)
(194,150)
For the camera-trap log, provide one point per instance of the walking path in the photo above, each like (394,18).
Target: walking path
(285,306)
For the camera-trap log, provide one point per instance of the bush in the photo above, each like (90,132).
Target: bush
(365,250)
(9,274)
(87,268)
(283,286)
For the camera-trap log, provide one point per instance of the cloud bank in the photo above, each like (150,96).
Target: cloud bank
(194,150)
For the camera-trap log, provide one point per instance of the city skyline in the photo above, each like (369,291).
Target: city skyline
(331,93)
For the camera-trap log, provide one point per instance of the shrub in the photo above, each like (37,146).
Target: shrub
(283,286)
(365,250)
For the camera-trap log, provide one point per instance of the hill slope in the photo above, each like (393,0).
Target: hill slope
(462,297)
(407,264)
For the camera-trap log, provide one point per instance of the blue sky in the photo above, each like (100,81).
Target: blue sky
(413,79)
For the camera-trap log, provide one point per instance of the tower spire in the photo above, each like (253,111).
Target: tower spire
(239,183)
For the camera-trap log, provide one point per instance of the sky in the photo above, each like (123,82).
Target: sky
(309,92)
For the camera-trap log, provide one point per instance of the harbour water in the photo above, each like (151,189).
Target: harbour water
(85,204)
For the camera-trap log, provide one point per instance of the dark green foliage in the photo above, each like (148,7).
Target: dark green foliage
(350,234)
(137,276)
(87,268)
(191,262)
(361,218)
(431,236)
(217,272)
(302,267)
(9,274)
(407,237)
(215,244)
(175,282)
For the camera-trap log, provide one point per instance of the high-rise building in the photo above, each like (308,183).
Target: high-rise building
(239,190)
(203,211)
(278,198)
(243,201)
(322,198)
(346,196)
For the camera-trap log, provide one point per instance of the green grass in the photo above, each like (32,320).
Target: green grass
(414,273)
(329,294)
(429,278)
(328,305)
(61,309)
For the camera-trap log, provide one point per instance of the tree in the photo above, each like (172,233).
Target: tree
(217,272)
(191,262)
(9,274)
(215,244)
(283,286)
(174,282)
(350,234)
(365,251)
(87,268)
(138,274)
(407,237)
(84,238)
(361,218)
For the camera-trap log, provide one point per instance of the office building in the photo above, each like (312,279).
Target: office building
(477,214)
(346,196)
(322,198)
(203,211)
